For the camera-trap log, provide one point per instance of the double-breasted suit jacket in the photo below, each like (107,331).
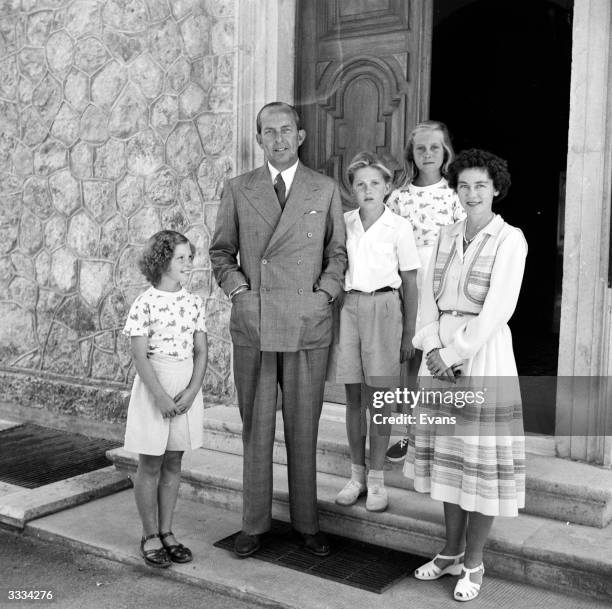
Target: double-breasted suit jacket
(281,328)
(283,258)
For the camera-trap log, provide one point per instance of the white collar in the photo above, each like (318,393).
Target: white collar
(441,183)
(385,218)
(288,174)
(492,228)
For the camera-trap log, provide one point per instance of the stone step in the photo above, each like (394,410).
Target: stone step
(547,553)
(555,488)
(20,505)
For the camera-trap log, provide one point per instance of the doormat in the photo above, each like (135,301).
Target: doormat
(354,563)
(32,455)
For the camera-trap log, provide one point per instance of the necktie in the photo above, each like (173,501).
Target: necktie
(279,187)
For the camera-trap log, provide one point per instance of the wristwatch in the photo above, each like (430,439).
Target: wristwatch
(243,287)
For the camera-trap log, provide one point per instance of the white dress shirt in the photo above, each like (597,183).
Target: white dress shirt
(375,256)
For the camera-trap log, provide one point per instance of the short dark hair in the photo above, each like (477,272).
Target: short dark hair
(157,254)
(475,158)
(280,106)
(368,159)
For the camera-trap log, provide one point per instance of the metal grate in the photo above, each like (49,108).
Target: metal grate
(32,456)
(355,563)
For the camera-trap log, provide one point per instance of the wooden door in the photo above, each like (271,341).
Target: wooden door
(362,78)
(362,83)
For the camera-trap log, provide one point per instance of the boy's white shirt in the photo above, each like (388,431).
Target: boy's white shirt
(375,256)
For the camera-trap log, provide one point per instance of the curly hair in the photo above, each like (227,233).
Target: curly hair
(474,158)
(158,252)
(411,170)
(368,159)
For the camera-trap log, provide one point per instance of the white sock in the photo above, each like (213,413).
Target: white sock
(358,473)
(376,477)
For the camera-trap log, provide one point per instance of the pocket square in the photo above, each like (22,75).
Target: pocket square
(312,211)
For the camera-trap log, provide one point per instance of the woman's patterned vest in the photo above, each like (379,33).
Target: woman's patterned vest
(478,277)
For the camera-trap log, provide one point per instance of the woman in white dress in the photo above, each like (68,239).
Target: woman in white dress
(469,293)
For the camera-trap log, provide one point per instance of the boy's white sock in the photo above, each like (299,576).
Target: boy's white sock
(376,477)
(358,473)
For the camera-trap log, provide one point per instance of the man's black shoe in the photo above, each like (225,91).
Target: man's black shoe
(245,544)
(316,544)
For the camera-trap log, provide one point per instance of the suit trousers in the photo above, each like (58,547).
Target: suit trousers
(301,376)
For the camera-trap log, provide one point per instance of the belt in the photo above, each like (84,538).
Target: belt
(457,313)
(387,288)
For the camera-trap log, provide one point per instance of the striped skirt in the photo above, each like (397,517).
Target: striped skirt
(477,463)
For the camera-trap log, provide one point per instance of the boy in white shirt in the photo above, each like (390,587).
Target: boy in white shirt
(377,321)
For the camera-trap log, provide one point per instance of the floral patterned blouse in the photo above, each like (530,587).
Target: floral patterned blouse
(428,208)
(169,319)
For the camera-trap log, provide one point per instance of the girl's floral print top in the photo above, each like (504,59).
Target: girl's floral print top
(428,208)
(169,319)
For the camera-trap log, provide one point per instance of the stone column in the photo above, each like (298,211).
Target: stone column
(584,347)
(264,68)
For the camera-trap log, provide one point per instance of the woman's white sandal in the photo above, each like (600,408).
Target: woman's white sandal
(466,589)
(430,570)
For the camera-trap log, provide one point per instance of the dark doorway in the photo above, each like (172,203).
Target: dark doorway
(501,81)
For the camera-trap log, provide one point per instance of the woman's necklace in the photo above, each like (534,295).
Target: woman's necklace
(480,226)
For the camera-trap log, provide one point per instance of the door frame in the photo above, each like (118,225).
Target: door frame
(265,69)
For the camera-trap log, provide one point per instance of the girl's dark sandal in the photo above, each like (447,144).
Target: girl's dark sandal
(177,552)
(158,557)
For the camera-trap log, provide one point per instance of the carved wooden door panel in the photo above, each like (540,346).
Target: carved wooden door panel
(362,78)
(362,83)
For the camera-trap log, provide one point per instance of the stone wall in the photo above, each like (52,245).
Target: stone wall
(116,120)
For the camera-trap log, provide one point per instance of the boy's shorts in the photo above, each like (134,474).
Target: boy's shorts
(370,336)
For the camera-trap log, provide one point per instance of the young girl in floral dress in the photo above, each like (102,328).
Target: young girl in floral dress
(429,203)
(167,331)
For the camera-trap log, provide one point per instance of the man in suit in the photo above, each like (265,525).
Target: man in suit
(279,253)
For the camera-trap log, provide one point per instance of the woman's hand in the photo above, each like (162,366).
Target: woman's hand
(166,405)
(437,368)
